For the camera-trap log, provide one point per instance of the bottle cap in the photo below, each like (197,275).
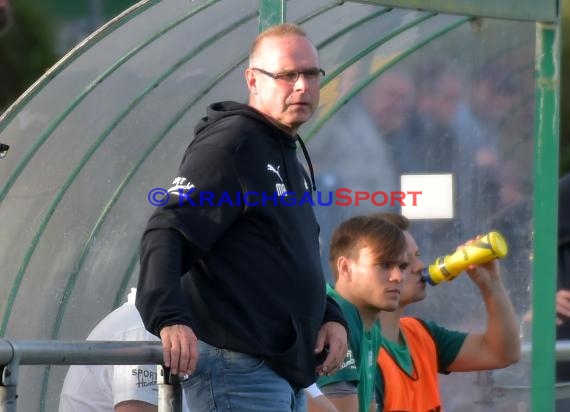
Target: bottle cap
(498,244)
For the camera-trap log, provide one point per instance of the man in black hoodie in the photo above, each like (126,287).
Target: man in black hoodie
(230,274)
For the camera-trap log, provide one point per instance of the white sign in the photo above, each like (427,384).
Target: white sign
(435,200)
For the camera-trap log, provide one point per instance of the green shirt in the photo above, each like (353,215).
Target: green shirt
(448,344)
(359,367)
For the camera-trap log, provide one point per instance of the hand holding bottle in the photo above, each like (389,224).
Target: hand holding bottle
(480,250)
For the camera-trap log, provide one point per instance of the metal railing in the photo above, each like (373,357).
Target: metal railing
(14,353)
(491,391)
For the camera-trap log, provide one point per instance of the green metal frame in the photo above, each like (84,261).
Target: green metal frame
(41,140)
(271,12)
(564,22)
(530,10)
(564,39)
(549,43)
(545,217)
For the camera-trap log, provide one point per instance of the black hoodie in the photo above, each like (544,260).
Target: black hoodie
(254,282)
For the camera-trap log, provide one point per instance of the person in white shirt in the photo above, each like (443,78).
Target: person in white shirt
(118,388)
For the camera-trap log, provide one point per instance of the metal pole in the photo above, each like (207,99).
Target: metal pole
(271,12)
(562,350)
(9,380)
(52,352)
(16,353)
(546,154)
(564,27)
(169,391)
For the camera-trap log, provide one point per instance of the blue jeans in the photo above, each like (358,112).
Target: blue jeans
(235,382)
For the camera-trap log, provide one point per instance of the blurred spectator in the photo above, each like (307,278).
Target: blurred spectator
(517,220)
(460,142)
(499,102)
(349,152)
(492,93)
(515,223)
(502,100)
(389,100)
(439,91)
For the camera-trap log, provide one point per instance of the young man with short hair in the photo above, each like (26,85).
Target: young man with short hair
(367,257)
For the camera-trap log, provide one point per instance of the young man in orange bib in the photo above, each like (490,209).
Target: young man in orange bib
(413,350)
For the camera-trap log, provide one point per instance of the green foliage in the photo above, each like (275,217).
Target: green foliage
(26,51)
(111,8)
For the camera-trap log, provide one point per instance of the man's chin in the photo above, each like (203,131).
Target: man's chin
(300,114)
(389,308)
(419,297)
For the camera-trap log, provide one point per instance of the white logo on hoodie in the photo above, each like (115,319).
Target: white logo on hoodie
(180,184)
(279,187)
(272,168)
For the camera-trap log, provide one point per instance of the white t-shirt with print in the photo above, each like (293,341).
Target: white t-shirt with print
(98,388)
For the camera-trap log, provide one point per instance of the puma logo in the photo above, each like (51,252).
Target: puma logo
(272,169)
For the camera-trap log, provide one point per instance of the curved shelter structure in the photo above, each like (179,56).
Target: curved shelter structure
(442,101)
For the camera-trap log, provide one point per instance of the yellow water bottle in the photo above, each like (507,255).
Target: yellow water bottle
(491,246)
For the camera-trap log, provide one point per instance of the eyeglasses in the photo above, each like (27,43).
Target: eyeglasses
(291,77)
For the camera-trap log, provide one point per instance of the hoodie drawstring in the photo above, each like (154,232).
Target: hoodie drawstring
(308,160)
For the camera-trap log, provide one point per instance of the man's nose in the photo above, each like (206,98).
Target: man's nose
(396,274)
(419,266)
(302,82)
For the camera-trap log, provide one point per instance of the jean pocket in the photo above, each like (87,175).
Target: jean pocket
(240,362)
(208,351)
(199,392)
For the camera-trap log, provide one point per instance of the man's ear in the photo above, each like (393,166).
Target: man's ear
(251,80)
(343,265)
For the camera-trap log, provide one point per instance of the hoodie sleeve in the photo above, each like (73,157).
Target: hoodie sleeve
(183,230)
(333,313)
(160,300)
